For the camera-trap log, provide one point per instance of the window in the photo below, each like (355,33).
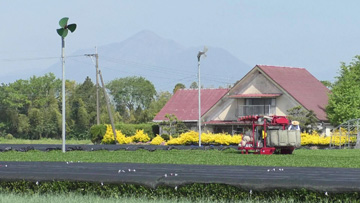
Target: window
(260,101)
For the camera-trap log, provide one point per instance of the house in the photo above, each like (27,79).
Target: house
(264,90)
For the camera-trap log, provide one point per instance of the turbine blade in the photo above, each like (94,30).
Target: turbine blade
(62,32)
(63,22)
(72,27)
(205,49)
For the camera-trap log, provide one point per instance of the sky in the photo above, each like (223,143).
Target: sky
(316,35)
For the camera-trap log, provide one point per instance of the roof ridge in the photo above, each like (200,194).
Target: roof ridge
(205,89)
(278,66)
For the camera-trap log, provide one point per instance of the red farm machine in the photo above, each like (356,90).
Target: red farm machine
(269,135)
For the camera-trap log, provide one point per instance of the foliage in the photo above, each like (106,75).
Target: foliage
(9,137)
(326,83)
(139,136)
(194,85)
(178,86)
(343,158)
(344,99)
(158,140)
(130,94)
(120,137)
(192,137)
(155,106)
(173,126)
(307,119)
(165,136)
(130,129)
(196,192)
(97,133)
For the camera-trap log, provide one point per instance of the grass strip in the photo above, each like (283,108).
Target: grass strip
(343,158)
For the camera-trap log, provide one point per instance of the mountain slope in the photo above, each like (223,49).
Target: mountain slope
(162,61)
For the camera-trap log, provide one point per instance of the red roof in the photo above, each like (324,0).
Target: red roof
(254,95)
(302,86)
(184,103)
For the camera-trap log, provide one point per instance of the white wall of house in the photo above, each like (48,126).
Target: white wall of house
(258,85)
(283,103)
(224,110)
(253,83)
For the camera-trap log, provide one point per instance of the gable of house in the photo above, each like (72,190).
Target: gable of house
(184,104)
(290,87)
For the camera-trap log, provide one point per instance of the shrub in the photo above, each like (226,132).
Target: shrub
(97,133)
(140,136)
(158,140)
(9,136)
(120,137)
(165,136)
(130,129)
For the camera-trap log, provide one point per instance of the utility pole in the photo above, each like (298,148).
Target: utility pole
(96,55)
(108,107)
(98,72)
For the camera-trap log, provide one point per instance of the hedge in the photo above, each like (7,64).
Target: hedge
(196,191)
(98,131)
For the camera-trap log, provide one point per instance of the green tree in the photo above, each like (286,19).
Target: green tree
(178,86)
(344,99)
(327,83)
(173,126)
(87,92)
(194,85)
(307,119)
(156,105)
(130,93)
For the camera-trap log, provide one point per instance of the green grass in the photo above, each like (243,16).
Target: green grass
(42,141)
(346,158)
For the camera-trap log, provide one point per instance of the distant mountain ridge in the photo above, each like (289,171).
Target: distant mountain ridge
(162,61)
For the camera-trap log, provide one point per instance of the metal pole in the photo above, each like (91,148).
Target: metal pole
(97,88)
(340,137)
(199,89)
(63,94)
(348,133)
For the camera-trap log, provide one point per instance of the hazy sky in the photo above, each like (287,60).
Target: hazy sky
(314,34)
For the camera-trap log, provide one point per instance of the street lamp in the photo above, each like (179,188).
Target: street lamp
(63,31)
(199,88)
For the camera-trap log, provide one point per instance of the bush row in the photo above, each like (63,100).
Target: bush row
(98,131)
(105,134)
(197,191)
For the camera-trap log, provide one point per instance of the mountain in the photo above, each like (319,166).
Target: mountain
(162,61)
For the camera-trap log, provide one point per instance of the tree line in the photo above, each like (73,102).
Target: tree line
(31,109)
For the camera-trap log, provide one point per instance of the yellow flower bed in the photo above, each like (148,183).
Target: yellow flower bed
(192,137)
(158,140)
(140,136)
(316,139)
(108,138)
